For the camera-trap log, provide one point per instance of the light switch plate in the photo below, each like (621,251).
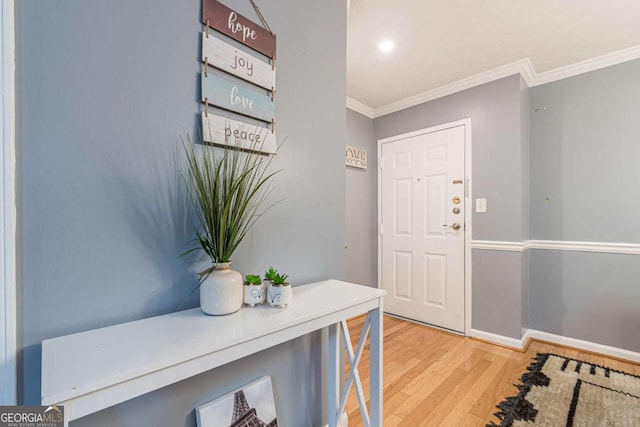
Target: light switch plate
(481,205)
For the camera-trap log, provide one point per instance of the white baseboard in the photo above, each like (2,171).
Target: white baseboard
(529,334)
(618,353)
(514,343)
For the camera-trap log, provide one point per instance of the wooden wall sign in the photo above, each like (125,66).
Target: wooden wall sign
(253,136)
(248,98)
(356,157)
(227,58)
(225,94)
(239,28)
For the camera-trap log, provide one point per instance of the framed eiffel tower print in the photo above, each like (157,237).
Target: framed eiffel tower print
(251,406)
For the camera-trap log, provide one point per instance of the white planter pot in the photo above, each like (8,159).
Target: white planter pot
(221,291)
(255,294)
(279,296)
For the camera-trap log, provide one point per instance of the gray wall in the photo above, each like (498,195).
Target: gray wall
(494,109)
(589,296)
(525,137)
(584,175)
(556,162)
(584,156)
(105,90)
(497,292)
(362,205)
(498,159)
(569,174)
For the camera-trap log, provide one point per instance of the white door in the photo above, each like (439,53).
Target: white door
(422,229)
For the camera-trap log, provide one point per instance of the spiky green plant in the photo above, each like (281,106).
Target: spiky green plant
(252,279)
(279,280)
(228,191)
(270,274)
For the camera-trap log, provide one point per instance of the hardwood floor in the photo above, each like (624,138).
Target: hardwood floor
(433,378)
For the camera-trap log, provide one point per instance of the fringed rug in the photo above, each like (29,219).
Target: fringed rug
(557,391)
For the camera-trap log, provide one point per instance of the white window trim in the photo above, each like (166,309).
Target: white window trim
(8,302)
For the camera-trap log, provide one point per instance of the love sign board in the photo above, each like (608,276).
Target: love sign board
(222,93)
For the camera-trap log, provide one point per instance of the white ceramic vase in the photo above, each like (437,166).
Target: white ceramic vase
(221,291)
(279,296)
(255,294)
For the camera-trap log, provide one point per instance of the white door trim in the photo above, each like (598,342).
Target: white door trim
(468,208)
(8,318)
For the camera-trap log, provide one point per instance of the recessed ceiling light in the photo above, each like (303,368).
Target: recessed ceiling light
(385,46)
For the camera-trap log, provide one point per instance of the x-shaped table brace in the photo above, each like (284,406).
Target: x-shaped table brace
(372,326)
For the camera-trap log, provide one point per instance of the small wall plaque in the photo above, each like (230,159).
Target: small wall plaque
(356,157)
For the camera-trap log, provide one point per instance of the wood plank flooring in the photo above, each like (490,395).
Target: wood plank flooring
(433,378)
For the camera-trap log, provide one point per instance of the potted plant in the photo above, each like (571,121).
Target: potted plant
(270,274)
(279,293)
(255,291)
(228,189)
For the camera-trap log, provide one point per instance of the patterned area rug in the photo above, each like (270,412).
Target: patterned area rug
(557,391)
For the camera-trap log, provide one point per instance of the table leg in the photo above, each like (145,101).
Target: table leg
(334,374)
(375,339)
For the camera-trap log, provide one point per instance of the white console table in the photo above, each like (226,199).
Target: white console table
(90,371)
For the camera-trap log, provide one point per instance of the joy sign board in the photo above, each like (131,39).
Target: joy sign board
(239,28)
(227,58)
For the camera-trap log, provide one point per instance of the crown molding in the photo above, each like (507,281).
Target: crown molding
(359,107)
(588,65)
(524,67)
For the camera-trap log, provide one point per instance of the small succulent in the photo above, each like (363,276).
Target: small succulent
(279,280)
(270,274)
(252,279)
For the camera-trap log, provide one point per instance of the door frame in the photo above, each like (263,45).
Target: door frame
(8,298)
(468,212)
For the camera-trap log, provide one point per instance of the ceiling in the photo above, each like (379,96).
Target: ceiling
(438,42)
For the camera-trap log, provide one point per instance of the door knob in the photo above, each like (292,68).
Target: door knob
(455,225)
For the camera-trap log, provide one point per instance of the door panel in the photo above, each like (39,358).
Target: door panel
(435,283)
(403,212)
(402,283)
(435,192)
(422,257)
